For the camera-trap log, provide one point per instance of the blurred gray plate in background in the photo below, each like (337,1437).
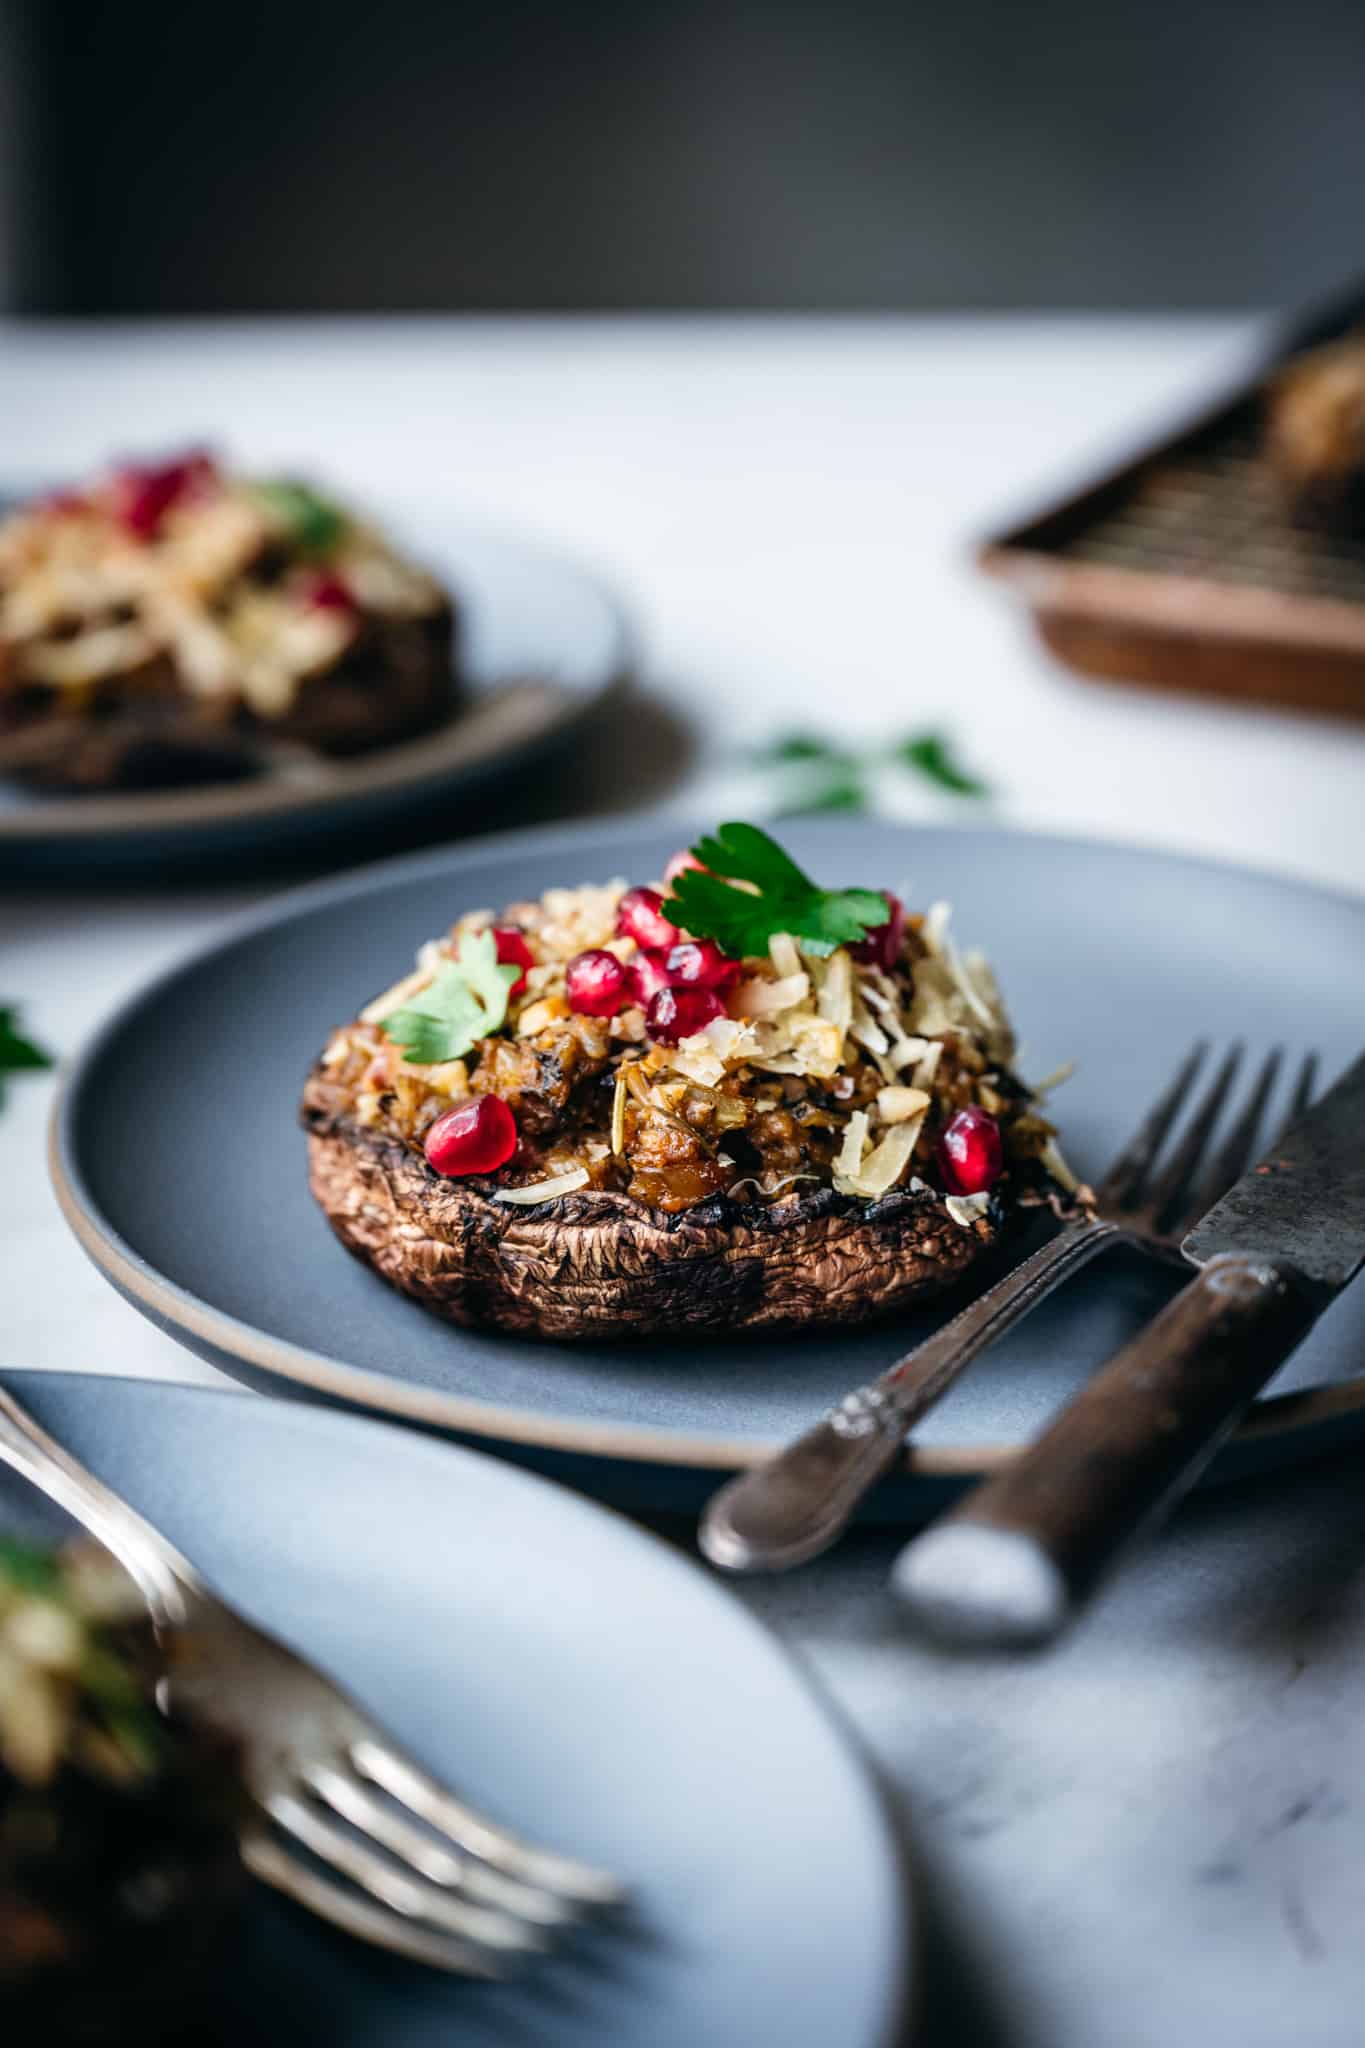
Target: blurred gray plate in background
(543,645)
(180,1164)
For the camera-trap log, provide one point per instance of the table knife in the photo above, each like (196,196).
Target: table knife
(1011,1563)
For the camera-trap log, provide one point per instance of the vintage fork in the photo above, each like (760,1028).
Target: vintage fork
(390,1855)
(794,1505)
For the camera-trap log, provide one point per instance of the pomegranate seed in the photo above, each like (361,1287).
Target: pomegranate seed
(640,917)
(645,976)
(595,983)
(882,946)
(970,1155)
(143,497)
(326,592)
(699,963)
(679,865)
(475,1137)
(677,1013)
(513,951)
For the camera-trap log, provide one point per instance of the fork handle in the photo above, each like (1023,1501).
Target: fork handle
(163,1576)
(794,1505)
(1014,1560)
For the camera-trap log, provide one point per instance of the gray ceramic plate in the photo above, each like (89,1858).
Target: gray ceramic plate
(565,1670)
(180,1166)
(543,645)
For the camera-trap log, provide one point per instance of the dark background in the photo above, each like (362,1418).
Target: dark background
(163,156)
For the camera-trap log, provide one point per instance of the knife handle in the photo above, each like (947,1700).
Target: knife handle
(1013,1561)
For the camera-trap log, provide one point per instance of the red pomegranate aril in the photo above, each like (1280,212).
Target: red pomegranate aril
(595,983)
(699,963)
(970,1155)
(328,592)
(679,865)
(645,976)
(678,1013)
(476,1137)
(143,497)
(882,946)
(513,951)
(640,917)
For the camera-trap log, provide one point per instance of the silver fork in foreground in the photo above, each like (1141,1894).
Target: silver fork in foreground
(388,1854)
(794,1505)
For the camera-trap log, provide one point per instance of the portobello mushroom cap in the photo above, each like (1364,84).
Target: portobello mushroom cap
(141,729)
(597,1264)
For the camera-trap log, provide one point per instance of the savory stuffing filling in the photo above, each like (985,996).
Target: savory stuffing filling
(237,590)
(643,1040)
(74,1638)
(118,1823)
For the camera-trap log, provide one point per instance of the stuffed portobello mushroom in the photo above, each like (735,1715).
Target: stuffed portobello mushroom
(736,1101)
(174,623)
(119,1867)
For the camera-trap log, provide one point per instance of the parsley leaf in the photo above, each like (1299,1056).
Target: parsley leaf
(931,754)
(464,1002)
(780,898)
(813,773)
(832,792)
(26,1569)
(804,749)
(312,521)
(17,1053)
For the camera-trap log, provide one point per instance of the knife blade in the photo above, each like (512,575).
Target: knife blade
(1303,1205)
(1012,1562)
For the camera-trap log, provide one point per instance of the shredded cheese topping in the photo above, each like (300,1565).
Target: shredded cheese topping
(218,584)
(546,1190)
(928,1038)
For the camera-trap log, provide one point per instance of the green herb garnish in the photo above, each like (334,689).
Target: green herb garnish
(931,754)
(831,793)
(464,1002)
(782,898)
(802,748)
(313,522)
(18,1055)
(815,774)
(29,1570)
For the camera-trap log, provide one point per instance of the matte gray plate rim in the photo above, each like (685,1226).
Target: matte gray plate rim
(664,1557)
(177,1309)
(411,768)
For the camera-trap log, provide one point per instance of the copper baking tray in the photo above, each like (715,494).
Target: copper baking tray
(1183,570)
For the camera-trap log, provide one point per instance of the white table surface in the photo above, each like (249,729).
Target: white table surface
(1156,1834)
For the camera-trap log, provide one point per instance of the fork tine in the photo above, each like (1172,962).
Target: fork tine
(437,1861)
(1123,1182)
(479,1837)
(1175,1177)
(1304,1090)
(411,1898)
(278,1867)
(1237,1149)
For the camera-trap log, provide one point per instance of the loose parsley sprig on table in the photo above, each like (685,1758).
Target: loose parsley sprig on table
(816,774)
(465,1000)
(781,898)
(931,753)
(18,1055)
